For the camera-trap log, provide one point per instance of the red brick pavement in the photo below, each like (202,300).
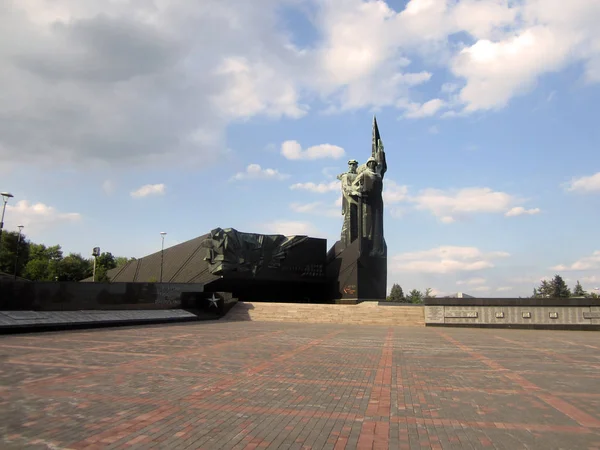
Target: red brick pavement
(251,385)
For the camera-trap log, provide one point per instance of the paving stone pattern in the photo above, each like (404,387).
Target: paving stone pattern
(255,385)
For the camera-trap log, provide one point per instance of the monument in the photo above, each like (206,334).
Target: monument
(357,263)
(260,267)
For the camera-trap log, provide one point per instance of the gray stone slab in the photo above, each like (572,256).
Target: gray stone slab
(28,318)
(434,314)
(591,315)
(24,315)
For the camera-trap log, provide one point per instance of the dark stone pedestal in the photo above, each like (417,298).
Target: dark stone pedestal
(354,275)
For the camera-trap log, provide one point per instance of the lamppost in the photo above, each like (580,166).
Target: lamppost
(95,254)
(162,253)
(5,197)
(17,252)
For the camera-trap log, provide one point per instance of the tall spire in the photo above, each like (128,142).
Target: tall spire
(376,138)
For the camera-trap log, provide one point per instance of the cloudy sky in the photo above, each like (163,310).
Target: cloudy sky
(120,119)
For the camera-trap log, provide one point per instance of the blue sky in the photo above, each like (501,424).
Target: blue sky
(123,119)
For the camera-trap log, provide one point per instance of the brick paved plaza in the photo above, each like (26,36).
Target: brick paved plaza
(249,385)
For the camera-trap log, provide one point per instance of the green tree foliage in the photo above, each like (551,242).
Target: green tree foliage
(104,263)
(555,288)
(122,260)
(578,291)
(428,293)
(415,296)
(44,263)
(560,288)
(36,262)
(75,268)
(396,294)
(8,252)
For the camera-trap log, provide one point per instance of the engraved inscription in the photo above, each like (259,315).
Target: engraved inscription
(526,315)
(168,296)
(591,315)
(553,315)
(500,315)
(435,314)
(461,315)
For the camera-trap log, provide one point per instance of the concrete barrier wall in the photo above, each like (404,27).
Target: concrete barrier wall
(514,313)
(73,296)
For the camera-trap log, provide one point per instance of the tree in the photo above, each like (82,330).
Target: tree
(428,293)
(560,288)
(555,288)
(579,292)
(396,294)
(122,260)
(415,296)
(545,290)
(105,262)
(75,268)
(9,252)
(43,263)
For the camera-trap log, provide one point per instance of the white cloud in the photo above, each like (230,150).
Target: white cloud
(397,212)
(528,279)
(161,81)
(586,263)
(148,189)
(450,205)
(292,150)
(255,172)
(471,281)
(108,186)
(393,192)
(519,211)
(497,71)
(591,279)
(291,228)
(417,111)
(504,288)
(481,289)
(585,184)
(318,208)
(445,259)
(36,216)
(319,188)
(256,89)
(449,88)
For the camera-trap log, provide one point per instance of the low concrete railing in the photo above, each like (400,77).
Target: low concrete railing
(555,313)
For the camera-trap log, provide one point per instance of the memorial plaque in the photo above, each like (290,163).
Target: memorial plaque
(553,315)
(591,315)
(500,315)
(461,315)
(526,315)
(434,314)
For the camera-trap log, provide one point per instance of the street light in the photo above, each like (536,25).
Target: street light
(95,254)
(17,252)
(5,197)
(162,253)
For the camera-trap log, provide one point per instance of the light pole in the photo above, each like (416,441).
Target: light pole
(95,254)
(5,197)
(162,253)
(17,252)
